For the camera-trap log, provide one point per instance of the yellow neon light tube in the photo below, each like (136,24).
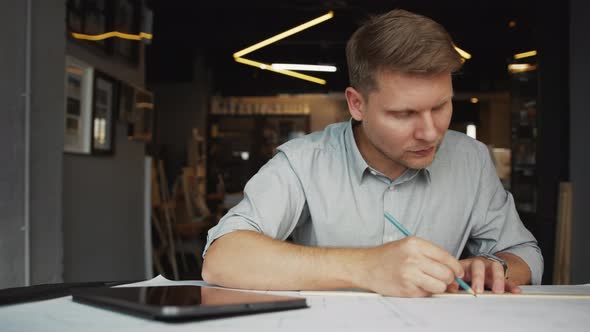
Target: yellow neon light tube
(462,52)
(302,67)
(285,34)
(520,67)
(525,54)
(265,66)
(111,34)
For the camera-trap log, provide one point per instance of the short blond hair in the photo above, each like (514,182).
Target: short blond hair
(399,41)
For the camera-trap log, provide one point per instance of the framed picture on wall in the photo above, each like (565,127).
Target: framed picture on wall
(142,121)
(103,114)
(79,81)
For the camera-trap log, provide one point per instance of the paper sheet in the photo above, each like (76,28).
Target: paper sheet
(557,290)
(328,312)
(160,280)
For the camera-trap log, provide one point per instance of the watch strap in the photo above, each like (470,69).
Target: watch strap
(496,259)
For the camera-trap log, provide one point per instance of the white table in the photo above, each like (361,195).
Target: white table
(329,311)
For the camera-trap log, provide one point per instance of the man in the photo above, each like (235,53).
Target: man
(329,190)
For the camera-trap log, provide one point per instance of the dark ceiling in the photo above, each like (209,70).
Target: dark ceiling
(215,30)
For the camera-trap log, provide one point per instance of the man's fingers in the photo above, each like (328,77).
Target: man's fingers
(431,285)
(511,287)
(453,287)
(442,256)
(438,271)
(419,292)
(496,277)
(477,271)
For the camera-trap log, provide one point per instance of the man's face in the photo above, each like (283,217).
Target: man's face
(403,120)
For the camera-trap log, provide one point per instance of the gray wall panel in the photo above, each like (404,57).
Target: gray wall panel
(579,121)
(12,138)
(103,214)
(47,127)
(103,196)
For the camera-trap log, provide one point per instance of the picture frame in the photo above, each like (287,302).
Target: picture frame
(78,85)
(141,123)
(103,113)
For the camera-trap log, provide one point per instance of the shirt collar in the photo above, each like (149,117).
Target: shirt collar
(427,171)
(430,169)
(356,160)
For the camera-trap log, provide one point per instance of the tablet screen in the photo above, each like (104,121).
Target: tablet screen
(184,302)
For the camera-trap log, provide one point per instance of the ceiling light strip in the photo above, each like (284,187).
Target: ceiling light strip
(111,34)
(462,52)
(302,67)
(265,66)
(520,67)
(285,34)
(525,54)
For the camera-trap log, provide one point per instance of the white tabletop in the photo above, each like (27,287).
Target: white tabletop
(328,311)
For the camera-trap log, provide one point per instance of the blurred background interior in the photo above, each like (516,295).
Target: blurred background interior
(121,150)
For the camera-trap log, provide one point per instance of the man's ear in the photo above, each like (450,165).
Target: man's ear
(356,103)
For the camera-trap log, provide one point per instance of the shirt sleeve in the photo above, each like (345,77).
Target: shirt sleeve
(497,226)
(272,204)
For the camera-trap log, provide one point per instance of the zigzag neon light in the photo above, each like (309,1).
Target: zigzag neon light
(111,34)
(238,55)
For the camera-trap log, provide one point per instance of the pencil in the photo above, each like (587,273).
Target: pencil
(402,229)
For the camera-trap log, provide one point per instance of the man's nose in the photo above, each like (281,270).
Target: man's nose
(426,130)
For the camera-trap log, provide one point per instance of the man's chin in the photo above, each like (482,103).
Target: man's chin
(419,163)
(418,160)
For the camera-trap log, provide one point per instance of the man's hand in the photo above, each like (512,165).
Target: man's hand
(411,267)
(483,273)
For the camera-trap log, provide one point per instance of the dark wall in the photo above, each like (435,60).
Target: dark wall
(552,123)
(47,128)
(579,121)
(103,196)
(181,107)
(31,142)
(103,213)
(12,140)
(106,223)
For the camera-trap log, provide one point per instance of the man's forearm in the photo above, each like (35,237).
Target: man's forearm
(249,260)
(518,270)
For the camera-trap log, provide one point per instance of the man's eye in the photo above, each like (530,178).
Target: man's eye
(402,115)
(439,108)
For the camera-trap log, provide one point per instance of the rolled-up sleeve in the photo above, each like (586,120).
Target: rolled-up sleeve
(497,226)
(272,204)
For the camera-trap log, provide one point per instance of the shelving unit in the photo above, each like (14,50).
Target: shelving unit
(194,177)
(524,140)
(240,144)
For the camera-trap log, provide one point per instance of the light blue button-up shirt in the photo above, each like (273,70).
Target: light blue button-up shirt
(319,190)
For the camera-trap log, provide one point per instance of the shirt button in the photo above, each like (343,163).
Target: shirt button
(373,172)
(390,188)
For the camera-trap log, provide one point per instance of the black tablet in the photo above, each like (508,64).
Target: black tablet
(173,303)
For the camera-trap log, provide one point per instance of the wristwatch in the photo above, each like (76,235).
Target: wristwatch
(496,259)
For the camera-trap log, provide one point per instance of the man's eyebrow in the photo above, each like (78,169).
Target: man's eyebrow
(400,110)
(444,101)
